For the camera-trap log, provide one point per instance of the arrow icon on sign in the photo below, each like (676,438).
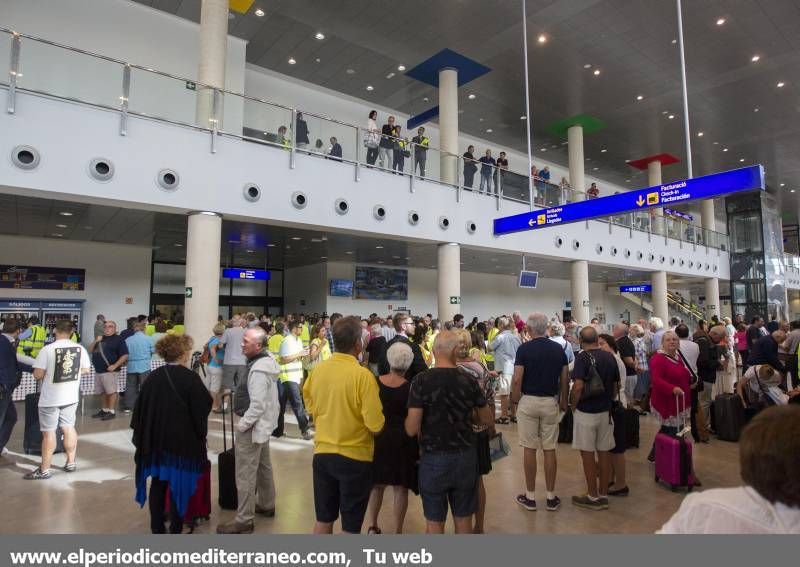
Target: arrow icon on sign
(531,222)
(640,201)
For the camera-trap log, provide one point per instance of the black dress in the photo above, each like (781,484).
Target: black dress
(396,454)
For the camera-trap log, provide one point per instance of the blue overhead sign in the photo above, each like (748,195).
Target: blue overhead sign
(643,288)
(705,187)
(241,274)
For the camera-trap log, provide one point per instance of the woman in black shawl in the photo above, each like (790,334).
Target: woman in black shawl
(170,424)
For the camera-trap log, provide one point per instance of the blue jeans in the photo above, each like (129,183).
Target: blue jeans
(133,385)
(8,417)
(290,391)
(449,478)
(486,180)
(642,385)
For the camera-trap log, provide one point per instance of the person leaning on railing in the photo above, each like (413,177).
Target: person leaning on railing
(470,167)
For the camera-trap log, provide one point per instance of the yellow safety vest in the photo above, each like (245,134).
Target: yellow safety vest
(75,338)
(150,330)
(305,335)
(178,330)
(493,332)
(292,371)
(34,343)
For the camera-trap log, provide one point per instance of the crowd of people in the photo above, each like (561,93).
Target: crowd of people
(410,403)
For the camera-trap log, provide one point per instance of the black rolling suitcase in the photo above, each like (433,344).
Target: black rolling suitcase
(32,438)
(729,416)
(226,465)
(565,428)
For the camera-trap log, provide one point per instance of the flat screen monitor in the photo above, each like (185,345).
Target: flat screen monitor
(528,279)
(341,288)
(381,283)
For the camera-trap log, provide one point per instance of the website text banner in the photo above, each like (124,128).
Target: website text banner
(673,193)
(357,551)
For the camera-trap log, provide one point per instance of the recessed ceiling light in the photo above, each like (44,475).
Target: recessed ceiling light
(88,227)
(390,75)
(543,150)
(480,119)
(587,66)
(291,61)
(671,116)
(178,245)
(542,38)
(783,184)
(250,251)
(296,238)
(57,234)
(724,149)
(270,246)
(65,214)
(378,247)
(665,112)
(627,181)
(260,13)
(370,88)
(741,160)
(674,41)
(61,226)
(755,58)
(471,97)
(349,252)
(716,143)
(320,36)
(780,84)
(595,168)
(401,68)
(318,60)
(523,117)
(489,130)
(792,191)
(755,109)
(639,97)
(699,134)
(603,151)
(597,72)
(720,21)
(323,257)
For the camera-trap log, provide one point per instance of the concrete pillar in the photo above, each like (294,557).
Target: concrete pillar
(712,298)
(576,164)
(707,219)
(653,179)
(213,54)
(660,306)
(448,125)
(201,306)
(448,278)
(581,311)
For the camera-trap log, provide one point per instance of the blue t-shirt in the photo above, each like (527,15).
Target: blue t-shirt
(542,361)
(216,361)
(487,162)
(113,348)
(140,351)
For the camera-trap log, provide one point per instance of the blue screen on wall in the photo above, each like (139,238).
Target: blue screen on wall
(341,288)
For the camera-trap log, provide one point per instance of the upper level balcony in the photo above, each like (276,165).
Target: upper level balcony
(224,151)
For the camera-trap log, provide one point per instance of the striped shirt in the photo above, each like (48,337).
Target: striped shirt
(641,354)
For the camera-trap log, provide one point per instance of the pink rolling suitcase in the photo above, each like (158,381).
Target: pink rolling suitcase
(674,457)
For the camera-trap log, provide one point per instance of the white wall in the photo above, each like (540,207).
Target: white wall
(122,30)
(113,272)
(308,284)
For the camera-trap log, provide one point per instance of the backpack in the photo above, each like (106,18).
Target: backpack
(205,358)
(594,383)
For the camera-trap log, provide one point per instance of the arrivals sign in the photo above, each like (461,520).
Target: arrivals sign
(678,192)
(643,288)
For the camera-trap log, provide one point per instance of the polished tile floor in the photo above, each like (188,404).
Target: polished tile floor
(98,498)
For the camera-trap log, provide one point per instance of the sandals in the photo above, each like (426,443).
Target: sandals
(502,421)
(374,530)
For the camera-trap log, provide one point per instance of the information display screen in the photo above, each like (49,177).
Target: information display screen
(642,288)
(245,274)
(528,279)
(381,283)
(341,288)
(35,277)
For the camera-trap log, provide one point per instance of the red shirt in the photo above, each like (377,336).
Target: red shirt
(665,375)
(520,325)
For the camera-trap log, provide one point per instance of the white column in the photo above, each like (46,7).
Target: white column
(579,287)
(660,307)
(448,278)
(213,54)
(576,165)
(653,179)
(712,298)
(448,125)
(707,219)
(203,242)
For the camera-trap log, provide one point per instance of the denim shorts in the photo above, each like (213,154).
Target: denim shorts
(449,479)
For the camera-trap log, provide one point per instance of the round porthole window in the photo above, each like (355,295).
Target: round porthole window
(25,157)
(613,250)
(471,227)
(168,179)
(576,244)
(341,206)
(627,253)
(444,223)
(299,200)
(252,192)
(379,212)
(598,248)
(639,255)
(559,242)
(101,169)
(413,218)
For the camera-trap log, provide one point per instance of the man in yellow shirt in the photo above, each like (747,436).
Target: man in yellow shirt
(344,399)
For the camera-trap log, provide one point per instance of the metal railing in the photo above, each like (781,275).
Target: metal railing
(64,72)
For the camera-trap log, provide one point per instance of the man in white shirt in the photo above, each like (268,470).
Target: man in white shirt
(688,347)
(769,503)
(59,366)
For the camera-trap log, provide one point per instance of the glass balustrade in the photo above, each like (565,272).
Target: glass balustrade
(64,72)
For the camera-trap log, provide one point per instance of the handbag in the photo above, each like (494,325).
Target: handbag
(498,447)
(594,383)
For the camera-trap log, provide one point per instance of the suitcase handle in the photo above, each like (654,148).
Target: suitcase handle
(224,432)
(677,409)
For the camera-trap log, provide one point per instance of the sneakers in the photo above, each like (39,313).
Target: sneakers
(38,474)
(126,410)
(70,467)
(588,504)
(307,435)
(553,503)
(235,527)
(624,491)
(107,416)
(100,414)
(527,503)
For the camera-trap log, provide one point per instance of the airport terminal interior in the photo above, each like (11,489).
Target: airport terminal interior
(450,163)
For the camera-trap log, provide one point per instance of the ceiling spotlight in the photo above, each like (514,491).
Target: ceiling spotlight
(65,214)
(178,245)
(378,247)
(792,191)
(370,87)
(401,67)
(296,238)
(587,66)
(489,130)
(596,72)
(317,59)
(665,112)
(390,75)
(627,181)
(424,99)
(320,36)
(542,38)
(351,71)
(720,21)
(671,116)
(674,41)
(755,58)
(595,168)
(543,150)
(741,160)
(639,97)
(755,109)
(88,227)
(780,84)
(259,13)
(783,184)
(471,97)
(270,245)
(61,226)
(523,117)
(323,257)
(291,61)
(724,149)
(604,150)
(699,134)
(349,252)
(57,234)
(250,251)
